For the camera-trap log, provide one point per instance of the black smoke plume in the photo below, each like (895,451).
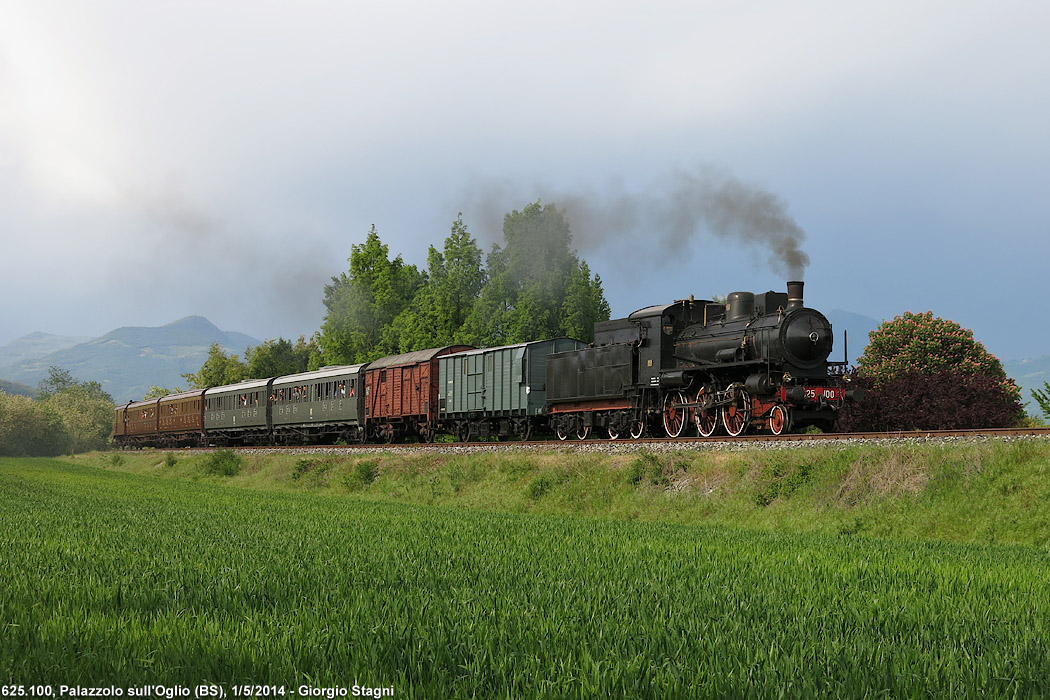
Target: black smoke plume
(667,218)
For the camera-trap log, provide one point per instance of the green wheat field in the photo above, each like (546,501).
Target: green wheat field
(108,577)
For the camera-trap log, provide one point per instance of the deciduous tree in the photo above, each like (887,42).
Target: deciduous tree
(218,369)
(31,428)
(363,303)
(276,358)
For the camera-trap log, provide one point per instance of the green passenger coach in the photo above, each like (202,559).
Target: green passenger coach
(238,413)
(497,392)
(323,404)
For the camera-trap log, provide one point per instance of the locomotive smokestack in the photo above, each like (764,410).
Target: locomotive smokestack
(795,295)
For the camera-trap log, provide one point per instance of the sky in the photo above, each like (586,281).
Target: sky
(166,159)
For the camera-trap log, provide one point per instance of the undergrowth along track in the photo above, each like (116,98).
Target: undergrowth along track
(664,443)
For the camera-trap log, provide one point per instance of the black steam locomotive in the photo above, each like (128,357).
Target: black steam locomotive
(758,361)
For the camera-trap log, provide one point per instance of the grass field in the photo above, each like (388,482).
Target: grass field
(111,577)
(978,493)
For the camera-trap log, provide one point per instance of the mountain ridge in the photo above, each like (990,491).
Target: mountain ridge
(128,360)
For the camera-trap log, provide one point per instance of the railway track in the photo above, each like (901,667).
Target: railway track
(665,443)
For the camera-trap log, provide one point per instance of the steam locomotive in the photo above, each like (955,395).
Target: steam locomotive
(756,362)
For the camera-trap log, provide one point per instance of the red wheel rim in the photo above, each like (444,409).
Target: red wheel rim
(674,415)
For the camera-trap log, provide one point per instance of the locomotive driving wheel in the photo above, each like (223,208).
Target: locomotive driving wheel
(582,432)
(706,415)
(736,414)
(676,415)
(779,420)
(637,429)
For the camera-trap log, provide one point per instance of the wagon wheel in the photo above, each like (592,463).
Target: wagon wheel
(706,418)
(562,432)
(675,415)
(737,412)
(428,433)
(582,432)
(779,420)
(526,430)
(637,429)
(463,432)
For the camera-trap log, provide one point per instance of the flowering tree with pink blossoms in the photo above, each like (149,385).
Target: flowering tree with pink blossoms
(930,345)
(923,372)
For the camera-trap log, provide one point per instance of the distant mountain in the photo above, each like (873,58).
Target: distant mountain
(35,345)
(13,388)
(127,361)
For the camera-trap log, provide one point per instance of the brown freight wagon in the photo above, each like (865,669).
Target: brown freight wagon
(180,419)
(401,393)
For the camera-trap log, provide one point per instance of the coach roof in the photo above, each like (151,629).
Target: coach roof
(414,358)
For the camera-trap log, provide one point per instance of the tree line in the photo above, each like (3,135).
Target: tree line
(533,287)
(66,416)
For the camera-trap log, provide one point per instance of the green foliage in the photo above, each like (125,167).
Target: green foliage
(539,486)
(170,460)
(68,416)
(87,413)
(1042,397)
(222,462)
(533,288)
(219,369)
(443,303)
(276,358)
(363,304)
(537,287)
(584,305)
(361,475)
(58,379)
(156,392)
(31,428)
(780,478)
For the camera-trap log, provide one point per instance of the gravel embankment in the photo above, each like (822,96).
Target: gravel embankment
(628,447)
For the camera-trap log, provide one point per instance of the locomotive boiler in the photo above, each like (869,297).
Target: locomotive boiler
(758,361)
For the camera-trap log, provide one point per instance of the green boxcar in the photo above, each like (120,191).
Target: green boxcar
(326,403)
(496,391)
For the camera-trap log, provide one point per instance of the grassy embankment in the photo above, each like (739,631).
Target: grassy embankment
(989,492)
(114,577)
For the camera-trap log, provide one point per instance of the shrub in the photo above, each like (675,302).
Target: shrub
(538,487)
(302,467)
(361,475)
(943,401)
(223,462)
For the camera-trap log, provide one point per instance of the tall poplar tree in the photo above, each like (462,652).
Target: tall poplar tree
(363,303)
